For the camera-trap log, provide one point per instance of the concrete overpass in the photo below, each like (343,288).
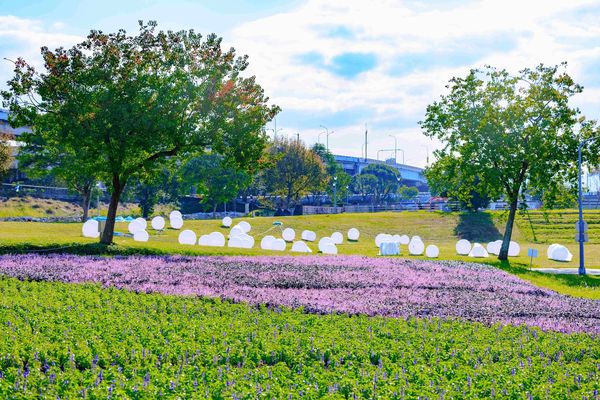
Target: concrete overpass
(411,176)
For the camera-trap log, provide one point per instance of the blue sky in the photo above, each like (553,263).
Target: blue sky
(345,63)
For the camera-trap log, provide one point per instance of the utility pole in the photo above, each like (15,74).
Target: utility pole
(366,134)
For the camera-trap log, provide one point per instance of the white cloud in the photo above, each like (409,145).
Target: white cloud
(532,31)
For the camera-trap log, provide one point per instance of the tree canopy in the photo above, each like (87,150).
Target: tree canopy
(380,180)
(504,134)
(5,155)
(214,180)
(295,170)
(334,170)
(125,103)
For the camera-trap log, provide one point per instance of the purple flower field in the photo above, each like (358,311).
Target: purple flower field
(352,284)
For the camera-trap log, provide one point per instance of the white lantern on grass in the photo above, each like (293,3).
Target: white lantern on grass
(288,234)
(226,222)
(90,229)
(158,223)
(337,238)
(463,247)
(187,237)
(141,236)
(432,251)
(309,236)
(353,234)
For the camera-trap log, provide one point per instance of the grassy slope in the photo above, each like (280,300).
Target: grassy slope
(442,229)
(73,341)
(39,208)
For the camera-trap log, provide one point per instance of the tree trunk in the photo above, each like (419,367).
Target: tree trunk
(215,210)
(109,228)
(503,256)
(86,195)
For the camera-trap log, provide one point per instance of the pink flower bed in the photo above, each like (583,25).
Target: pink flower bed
(351,284)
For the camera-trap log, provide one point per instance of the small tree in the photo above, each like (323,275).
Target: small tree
(214,180)
(387,180)
(42,157)
(408,192)
(5,155)
(342,181)
(129,102)
(504,130)
(295,170)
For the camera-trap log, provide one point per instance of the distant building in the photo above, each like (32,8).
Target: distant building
(411,176)
(593,181)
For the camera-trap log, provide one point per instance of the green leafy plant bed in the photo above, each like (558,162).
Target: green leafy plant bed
(76,341)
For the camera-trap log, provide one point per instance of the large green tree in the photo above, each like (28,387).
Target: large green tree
(128,102)
(294,170)
(503,134)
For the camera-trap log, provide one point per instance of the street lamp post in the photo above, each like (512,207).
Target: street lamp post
(335,194)
(347,193)
(395,148)
(327,133)
(581,235)
(427,149)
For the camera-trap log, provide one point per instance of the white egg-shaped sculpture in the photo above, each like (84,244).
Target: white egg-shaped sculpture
(309,236)
(404,239)
(329,248)
(463,247)
(416,247)
(288,234)
(226,222)
(300,247)
(353,234)
(141,236)
(396,238)
(383,237)
(241,241)
(560,253)
(514,249)
(215,239)
(90,229)
(158,223)
(176,222)
(494,247)
(245,226)
(266,242)
(478,251)
(175,214)
(278,245)
(416,237)
(325,241)
(135,226)
(236,231)
(551,249)
(337,238)
(143,222)
(432,251)
(187,237)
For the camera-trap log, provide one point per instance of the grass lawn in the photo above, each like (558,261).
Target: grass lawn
(442,229)
(83,341)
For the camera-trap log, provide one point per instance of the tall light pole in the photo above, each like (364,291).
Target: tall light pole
(275,130)
(347,193)
(327,133)
(581,222)
(395,148)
